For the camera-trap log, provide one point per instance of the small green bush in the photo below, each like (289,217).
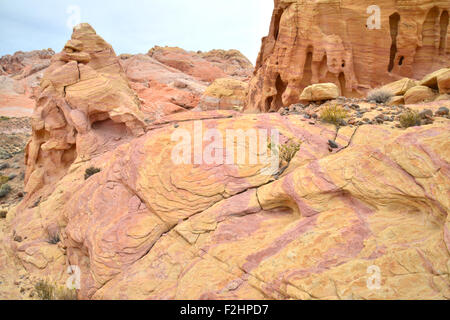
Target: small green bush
(5,189)
(287,151)
(380,96)
(48,291)
(90,172)
(333,114)
(3,118)
(409,118)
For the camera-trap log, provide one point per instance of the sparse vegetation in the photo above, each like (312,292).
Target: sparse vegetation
(5,189)
(334,114)
(380,96)
(90,172)
(287,151)
(3,118)
(49,291)
(409,118)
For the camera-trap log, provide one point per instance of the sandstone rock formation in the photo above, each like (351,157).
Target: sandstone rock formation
(85,104)
(23,64)
(163,90)
(232,62)
(224,94)
(433,87)
(227,232)
(320,92)
(20,75)
(170,80)
(334,41)
(419,94)
(144,225)
(167,80)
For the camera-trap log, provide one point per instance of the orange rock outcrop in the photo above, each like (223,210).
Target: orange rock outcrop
(85,103)
(348,44)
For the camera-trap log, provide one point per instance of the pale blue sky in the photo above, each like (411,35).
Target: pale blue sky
(135,26)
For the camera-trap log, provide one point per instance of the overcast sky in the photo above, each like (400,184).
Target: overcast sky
(135,26)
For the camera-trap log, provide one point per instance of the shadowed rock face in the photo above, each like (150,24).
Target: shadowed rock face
(331,41)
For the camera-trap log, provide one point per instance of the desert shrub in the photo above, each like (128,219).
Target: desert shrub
(409,118)
(380,96)
(333,114)
(3,118)
(46,290)
(288,150)
(5,189)
(90,172)
(3,179)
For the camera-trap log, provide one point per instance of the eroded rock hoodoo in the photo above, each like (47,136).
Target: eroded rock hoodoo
(85,102)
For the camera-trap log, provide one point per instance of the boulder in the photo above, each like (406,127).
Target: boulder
(419,94)
(400,87)
(431,80)
(319,92)
(396,100)
(443,81)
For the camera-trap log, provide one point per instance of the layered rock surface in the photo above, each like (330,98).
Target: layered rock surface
(227,231)
(336,41)
(147,226)
(170,80)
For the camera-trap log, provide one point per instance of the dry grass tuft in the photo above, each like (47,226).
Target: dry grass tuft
(380,96)
(409,118)
(49,291)
(334,114)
